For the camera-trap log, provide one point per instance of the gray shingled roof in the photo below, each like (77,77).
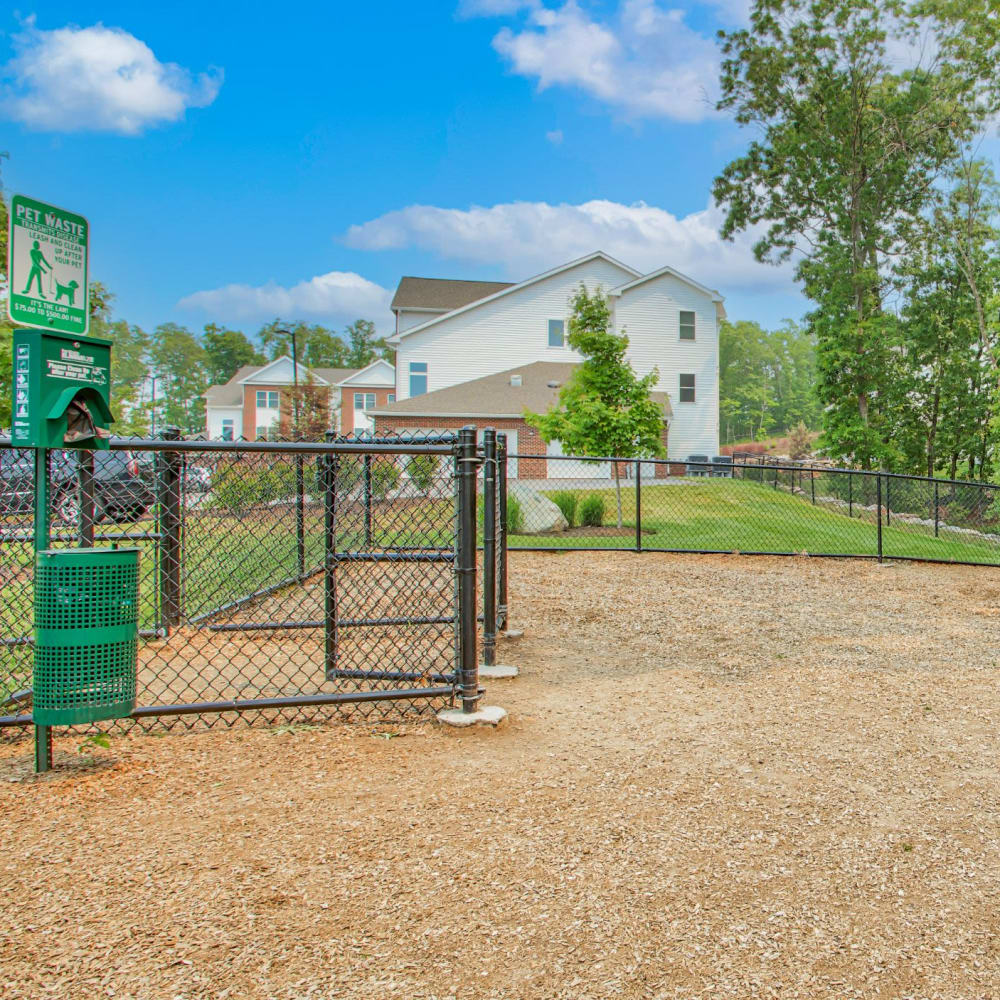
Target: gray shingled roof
(442,293)
(231,394)
(494,396)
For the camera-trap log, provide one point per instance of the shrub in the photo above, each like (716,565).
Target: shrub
(385,477)
(422,470)
(799,442)
(566,501)
(515,516)
(592,511)
(238,487)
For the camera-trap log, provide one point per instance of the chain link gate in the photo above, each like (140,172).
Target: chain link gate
(281,581)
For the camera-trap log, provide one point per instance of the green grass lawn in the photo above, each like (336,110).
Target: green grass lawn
(733,515)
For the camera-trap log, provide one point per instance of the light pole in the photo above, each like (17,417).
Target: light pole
(153,379)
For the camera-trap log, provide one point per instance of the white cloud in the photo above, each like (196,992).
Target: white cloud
(647,62)
(332,297)
(555,136)
(97,79)
(525,238)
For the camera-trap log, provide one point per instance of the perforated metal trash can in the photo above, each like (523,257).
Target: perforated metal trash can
(86,635)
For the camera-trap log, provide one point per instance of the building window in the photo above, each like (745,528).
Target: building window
(364,400)
(418,378)
(687,325)
(687,388)
(391,398)
(228,429)
(267,400)
(557,333)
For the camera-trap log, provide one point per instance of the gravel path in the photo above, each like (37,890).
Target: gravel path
(722,777)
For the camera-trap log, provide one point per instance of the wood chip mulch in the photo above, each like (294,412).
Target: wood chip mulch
(722,777)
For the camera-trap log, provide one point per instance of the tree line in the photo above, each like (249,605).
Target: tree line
(867,118)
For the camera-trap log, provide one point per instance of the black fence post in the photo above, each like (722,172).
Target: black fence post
(467,462)
(329,468)
(170,474)
(489,547)
(850,495)
(85,467)
(367,498)
(937,515)
(300,514)
(887,507)
(638,506)
(503,610)
(878,510)
(812,483)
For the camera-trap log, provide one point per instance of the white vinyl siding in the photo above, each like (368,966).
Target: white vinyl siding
(650,315)
(508,331)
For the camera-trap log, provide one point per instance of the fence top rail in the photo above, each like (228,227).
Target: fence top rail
(387,446)
(769,466)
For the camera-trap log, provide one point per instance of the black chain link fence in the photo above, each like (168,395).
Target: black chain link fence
(753,507)
(283,581)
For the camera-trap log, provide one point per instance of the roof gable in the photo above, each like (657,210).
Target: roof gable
(441,294)
(280,371)
(653,275)
(378,373)
(510,289)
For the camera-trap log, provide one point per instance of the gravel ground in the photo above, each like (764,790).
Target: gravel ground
(722,777)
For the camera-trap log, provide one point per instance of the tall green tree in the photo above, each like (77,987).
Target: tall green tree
(317,346)
(226,351)
(604,408)
(129,362)
(853,133)
(180,364)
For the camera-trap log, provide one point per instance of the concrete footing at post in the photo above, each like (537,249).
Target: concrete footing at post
(497,671)
(485,715)
(511,633)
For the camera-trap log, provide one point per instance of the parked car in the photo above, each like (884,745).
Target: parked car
(120,494)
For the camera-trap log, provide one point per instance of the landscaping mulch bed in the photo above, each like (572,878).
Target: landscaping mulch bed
(723,776)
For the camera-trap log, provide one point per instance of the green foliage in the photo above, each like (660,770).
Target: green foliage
(226,351)
(592,511)
(515,516)
(239,487)
(180,362)
(799,442)
(566,501)
(767,380)
(850,144)
(385,477)
(604,408)
(422,470)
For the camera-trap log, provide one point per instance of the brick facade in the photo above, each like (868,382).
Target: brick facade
(529,441)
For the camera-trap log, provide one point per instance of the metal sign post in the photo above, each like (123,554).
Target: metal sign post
(60,385)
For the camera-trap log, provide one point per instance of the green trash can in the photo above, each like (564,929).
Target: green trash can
(86,635)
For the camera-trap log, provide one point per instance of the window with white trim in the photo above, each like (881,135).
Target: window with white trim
(228,428)
(267,400)
(557,333)
(391,398)
(364,400)
(686,325)
(686,388)
(418,378)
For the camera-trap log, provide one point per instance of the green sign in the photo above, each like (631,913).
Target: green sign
(48,267)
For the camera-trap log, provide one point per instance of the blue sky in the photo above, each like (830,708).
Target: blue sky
(236,164)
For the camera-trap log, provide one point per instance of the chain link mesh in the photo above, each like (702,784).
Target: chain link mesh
(759,507)
(264,573)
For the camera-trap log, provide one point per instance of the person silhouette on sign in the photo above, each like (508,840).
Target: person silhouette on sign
(39,265)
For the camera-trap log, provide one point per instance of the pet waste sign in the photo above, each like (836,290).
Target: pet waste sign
(48,267)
